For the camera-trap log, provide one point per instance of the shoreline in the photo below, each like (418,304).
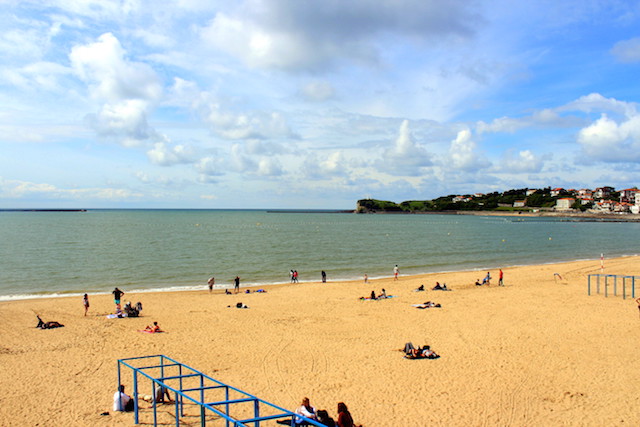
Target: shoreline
(175,288)
(522,354)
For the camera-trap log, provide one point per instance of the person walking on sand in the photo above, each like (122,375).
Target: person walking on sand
(237,284)
(324,276)
(396,271)
(500,277)
(211,282)
(117,294)
(85,302)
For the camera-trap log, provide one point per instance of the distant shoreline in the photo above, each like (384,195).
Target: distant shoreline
(574,216)
(43,210)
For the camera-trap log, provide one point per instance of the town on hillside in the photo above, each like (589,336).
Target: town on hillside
(602,200)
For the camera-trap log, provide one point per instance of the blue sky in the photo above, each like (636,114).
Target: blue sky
(312,104)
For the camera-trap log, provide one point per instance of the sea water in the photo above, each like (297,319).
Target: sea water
(45,254)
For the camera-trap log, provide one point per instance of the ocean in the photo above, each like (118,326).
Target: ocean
(48,254)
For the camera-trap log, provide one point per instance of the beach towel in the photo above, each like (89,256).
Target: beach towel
(150,332)
(376,299)
(116,316)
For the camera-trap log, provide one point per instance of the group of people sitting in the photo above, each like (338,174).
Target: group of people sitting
(122,402)
(132,311)
(439,287)
(410,352)
(308,411)
(129,310)
(382,295)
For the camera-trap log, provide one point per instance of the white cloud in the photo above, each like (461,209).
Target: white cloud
(627,50)
(524,161)
(405,157)
(164,155)
(269,166)
(609,141)
(251,125)
(209,167)
(594,102)
(463,155)
(127,90)
(325,168)
(25,189)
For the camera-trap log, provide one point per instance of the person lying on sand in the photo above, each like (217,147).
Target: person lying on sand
(419,353)
(153,329)
(419,289)
(439,287)
(48,325)
(239,305)
(427,304)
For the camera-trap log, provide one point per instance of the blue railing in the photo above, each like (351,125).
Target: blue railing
(194,387)
(611,280)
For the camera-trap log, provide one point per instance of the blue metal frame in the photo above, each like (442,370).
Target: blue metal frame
(615,284)
(163,363)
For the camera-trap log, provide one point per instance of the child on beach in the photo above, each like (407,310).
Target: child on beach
(85,302)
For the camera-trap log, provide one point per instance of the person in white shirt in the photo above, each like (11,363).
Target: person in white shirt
(306,410)
(122,401)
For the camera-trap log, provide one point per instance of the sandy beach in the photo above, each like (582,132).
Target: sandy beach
(538,351)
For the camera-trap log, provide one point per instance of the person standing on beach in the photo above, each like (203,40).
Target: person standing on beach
(85,302)
(500,277)
(211,282)
(295,276)
(292,277)
(324,276)
(117,294)
(237,284)
(366,278)
(396,271)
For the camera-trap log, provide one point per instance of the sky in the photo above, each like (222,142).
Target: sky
(311,104)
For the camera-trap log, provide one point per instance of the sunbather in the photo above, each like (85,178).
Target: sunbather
(48,325)
(439,287)
(419,353)
(153,329)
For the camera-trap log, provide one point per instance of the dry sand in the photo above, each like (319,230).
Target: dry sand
(538,351)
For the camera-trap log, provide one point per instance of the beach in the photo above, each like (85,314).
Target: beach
(537,351)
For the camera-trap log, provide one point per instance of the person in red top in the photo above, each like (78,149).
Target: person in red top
(344,417)
(500,278)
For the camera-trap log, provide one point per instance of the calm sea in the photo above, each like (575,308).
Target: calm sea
(45,254)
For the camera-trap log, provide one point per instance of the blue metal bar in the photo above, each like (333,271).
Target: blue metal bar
(256,412)
(226,397)
(222,402)
(135,398)
(180,395)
